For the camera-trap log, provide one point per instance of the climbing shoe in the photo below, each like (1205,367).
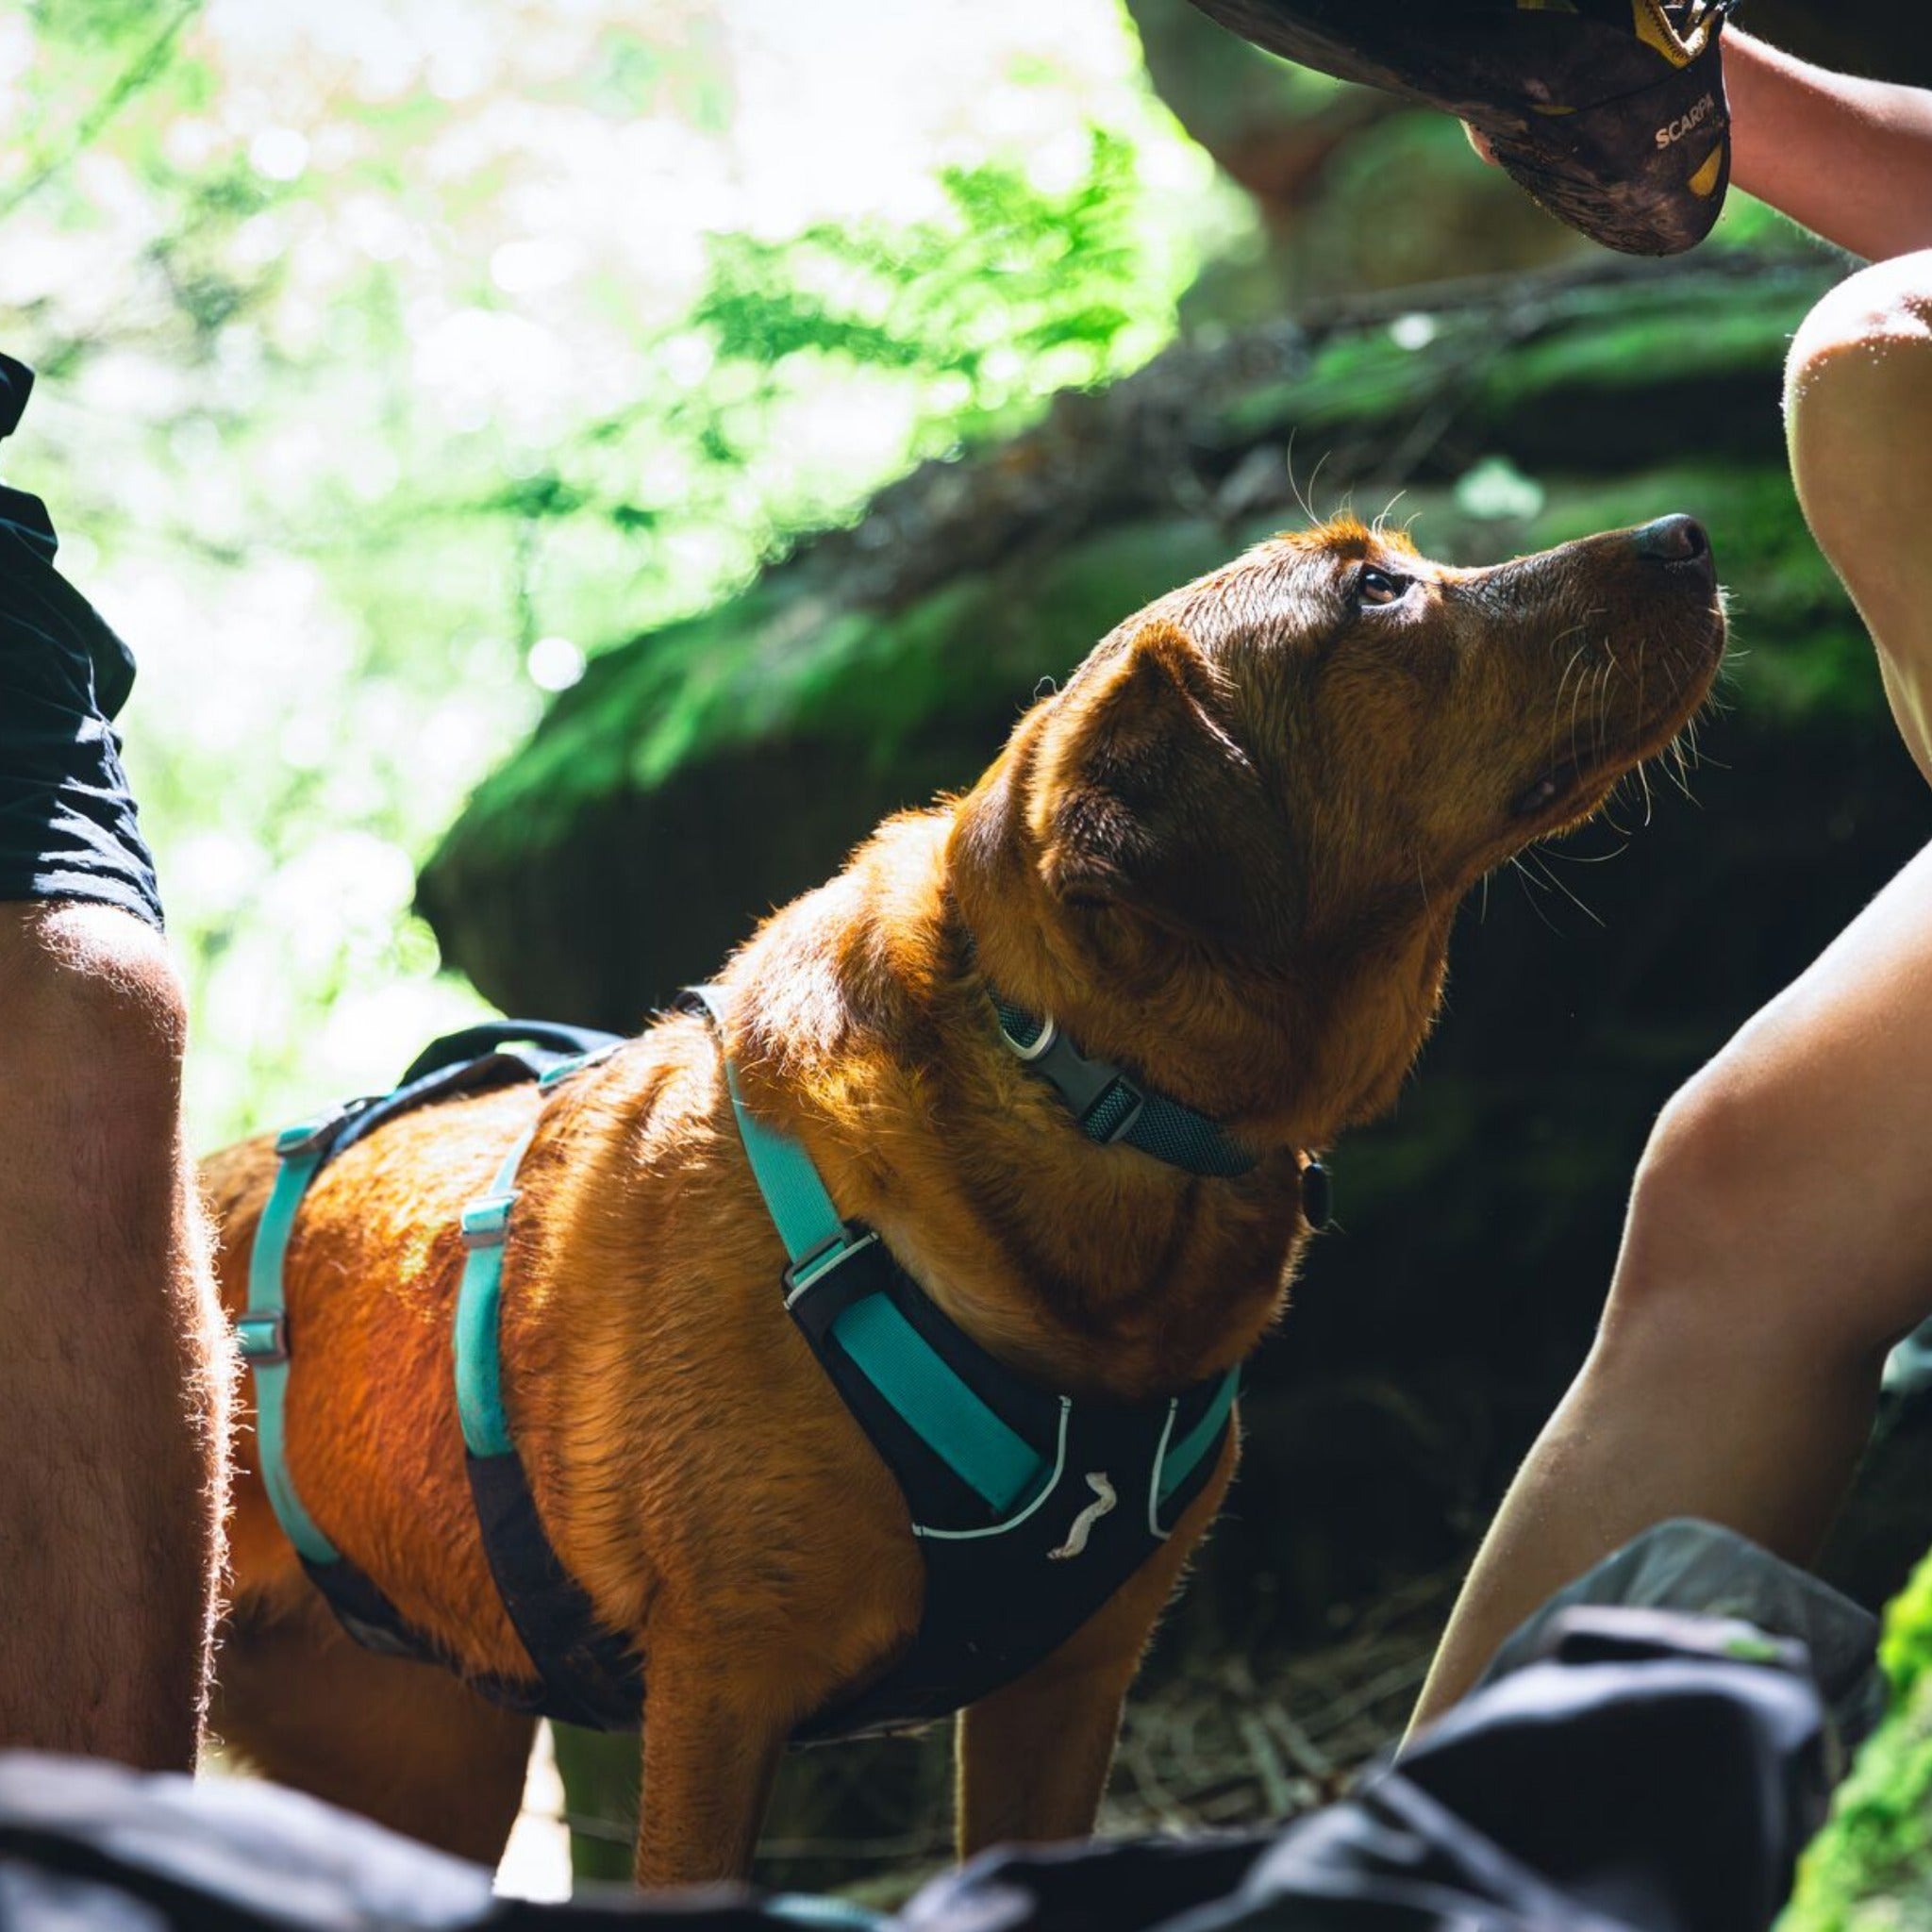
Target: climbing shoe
(1611,113)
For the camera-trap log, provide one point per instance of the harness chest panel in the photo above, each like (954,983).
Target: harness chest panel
(1007,1583)
(1030,1510)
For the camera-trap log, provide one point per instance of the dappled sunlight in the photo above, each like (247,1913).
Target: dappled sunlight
(389,371)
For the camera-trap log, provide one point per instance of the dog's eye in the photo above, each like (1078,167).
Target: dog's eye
(1373,586)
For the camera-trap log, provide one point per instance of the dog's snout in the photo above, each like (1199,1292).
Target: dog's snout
(1671,539)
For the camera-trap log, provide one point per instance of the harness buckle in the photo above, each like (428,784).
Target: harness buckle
(566,1070)
(305,1137)
(809,1270)
(486,1220)
(261,1336)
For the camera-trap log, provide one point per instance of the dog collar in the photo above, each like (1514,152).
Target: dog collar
(1110,1107)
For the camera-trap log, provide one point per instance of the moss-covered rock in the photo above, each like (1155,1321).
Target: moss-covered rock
(1871,1868)
(708,771)
(701,774)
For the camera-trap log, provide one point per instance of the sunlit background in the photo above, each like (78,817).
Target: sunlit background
(396,355)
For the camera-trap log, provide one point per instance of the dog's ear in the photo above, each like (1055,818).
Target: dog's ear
(1143,795)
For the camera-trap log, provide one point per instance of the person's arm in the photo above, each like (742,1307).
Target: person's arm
(1850,159)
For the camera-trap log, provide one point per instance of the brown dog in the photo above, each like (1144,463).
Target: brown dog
(1227,857)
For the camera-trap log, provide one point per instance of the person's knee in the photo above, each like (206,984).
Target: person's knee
(1693,1198)
(1732,1241)
(1883,309)
(1858,409)
(92,1023)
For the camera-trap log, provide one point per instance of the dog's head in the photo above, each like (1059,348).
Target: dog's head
(1250,814)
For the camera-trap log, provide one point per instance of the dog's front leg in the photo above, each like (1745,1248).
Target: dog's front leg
(710,1753)
(1033,1758)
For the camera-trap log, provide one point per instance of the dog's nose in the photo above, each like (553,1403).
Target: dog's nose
(1671,539)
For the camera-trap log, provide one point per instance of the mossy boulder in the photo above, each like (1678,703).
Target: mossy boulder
(708,771)
(702,774)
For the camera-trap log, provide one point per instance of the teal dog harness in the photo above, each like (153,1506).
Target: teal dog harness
(1030,1510)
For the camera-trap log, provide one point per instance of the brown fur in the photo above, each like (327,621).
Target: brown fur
(1227,856)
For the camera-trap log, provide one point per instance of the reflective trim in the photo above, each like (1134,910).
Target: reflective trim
(1046,1489)
(1154,1491)
(1173,1467)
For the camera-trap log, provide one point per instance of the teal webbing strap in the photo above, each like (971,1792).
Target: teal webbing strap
(803,1908)
(801,1210)
(262,1335)
(927,1395)
(1184,1457)
(476,1335)
(946,1415)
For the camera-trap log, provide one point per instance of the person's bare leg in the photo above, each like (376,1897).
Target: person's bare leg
(1780,1231)
(113,1386)
(1858,403)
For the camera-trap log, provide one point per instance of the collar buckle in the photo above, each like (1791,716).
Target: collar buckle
(1109,1107)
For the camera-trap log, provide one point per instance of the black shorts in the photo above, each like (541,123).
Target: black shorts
(68,828)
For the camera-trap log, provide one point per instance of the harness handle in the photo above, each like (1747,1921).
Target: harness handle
(473,1042)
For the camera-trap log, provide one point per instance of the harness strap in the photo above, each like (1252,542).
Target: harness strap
(263,1334)
(587,1673)
(479,1301)
(814,1232)
(977,1444)
(543,1592)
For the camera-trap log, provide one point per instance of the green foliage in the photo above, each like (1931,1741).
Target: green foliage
(1870,1870)
(1906,1649)
(382,374)
(1011,288)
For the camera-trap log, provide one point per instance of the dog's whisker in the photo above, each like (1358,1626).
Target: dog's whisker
(1522,872)
(1562,682)
(1379,523)
(1549,852)
(1558,885)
